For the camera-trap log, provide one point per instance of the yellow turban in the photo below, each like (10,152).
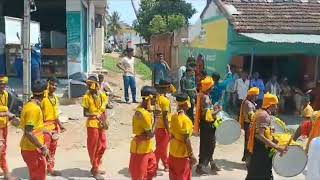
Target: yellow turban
(206,84)
(308,111)
(4,79)
(253,91)
(269,100)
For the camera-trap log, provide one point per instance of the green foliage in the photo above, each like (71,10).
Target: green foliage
(175,22)
(143,69)
(174,13)
(158,25)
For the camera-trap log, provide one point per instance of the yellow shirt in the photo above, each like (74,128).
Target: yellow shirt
(32,116)
(50,109)
(164,104)
(181,125)
(95,105)
(142,121)
(4,98)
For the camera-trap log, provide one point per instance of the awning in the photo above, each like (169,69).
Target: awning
(284,38)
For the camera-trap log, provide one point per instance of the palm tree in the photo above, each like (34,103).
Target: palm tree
(114,26)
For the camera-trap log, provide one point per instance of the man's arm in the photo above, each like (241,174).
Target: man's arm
(120,66)
(165,120)
(31,137)
(187,141)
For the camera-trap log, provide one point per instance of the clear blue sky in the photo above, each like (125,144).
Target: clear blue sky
(127,15)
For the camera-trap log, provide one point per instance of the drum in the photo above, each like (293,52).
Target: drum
(279,126)
(291,163)
(228,131)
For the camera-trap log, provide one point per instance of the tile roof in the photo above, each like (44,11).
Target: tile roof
(273,17)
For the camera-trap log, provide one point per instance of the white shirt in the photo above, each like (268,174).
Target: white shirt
(241,88)
(313,169)
(128,64)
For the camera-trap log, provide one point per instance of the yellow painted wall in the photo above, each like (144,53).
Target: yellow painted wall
(216,35)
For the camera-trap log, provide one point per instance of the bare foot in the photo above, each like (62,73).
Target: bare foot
(98,177)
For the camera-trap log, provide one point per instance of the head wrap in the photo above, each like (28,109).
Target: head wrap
(183,99)
(206,84)
(4,80)
(269,100)
(308,111)
(147,93)
(39,86)
(92,83)
(253,91)
(167,84)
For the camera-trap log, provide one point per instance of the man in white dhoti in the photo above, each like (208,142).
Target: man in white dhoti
(313,172)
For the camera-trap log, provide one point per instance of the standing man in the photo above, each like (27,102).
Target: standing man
(52,124)
(143,163)
(258,83)
(200,66)
(247,110)
(33,148)
(94,104)
(2,54)
(273,87)
(127,66)
(162,131)
(161,69)
(230,98)
(181,158)
(188,86)
(241,87)
(5,117)
(218,90)
(205,117)
(261,140)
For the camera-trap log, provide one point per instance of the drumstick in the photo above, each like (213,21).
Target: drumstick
(289,142)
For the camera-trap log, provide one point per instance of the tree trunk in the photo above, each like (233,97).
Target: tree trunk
(134,8)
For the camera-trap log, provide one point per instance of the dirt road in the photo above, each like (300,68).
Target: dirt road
(72,158)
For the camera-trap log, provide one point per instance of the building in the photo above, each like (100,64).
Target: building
(72,33)
(271,37)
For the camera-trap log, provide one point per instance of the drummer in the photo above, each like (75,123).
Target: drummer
(315,130)
(52,124)
(261,140)
(204,120)
(305,127)
(181,157)
(247,110)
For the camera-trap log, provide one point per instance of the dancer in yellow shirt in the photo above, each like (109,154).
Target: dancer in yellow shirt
(162,130)
(142,160)
(181,158)
(94,103)
(52,124)
(33,149)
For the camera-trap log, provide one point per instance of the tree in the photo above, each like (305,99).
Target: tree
(114,26)
(175,14)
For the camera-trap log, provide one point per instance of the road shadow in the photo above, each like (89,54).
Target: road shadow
(21,173)
(75,172)
(229,165)
(125,172)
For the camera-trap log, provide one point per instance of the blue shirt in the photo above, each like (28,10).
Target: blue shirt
(258,84)
(219,88)
(160,72)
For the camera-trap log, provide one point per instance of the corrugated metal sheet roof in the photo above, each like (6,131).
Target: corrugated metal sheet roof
(284,38)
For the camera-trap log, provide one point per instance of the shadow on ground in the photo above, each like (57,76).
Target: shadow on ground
(229,165)
(21,172)
(125,172)
(75,172)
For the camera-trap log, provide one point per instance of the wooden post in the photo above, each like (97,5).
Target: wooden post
(316,70)
(251,65)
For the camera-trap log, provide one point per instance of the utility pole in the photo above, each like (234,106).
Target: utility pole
(26,52)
